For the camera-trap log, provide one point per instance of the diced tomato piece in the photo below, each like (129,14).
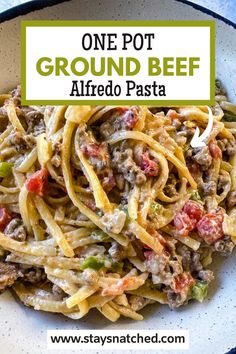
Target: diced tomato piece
(149,255)
(210,227)
(187,219)
(183,223)
(194,210)
(130,283)
(215,151)
(150,167)
(91,149)
(131,118)
(38,182)
(183,282)
(126,117)
(5,217)
(96,152)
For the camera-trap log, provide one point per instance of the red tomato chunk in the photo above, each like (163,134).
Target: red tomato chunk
(130,118)
(5,218)
(194,210)
(149,255)
(183,282)
(37,183)
(183,223)
(210,227)
(149,166)
(186,220)
(92,149)
(215,151)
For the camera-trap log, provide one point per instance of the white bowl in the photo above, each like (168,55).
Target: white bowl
(211,324)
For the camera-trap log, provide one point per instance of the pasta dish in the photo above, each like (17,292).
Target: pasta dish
(109,207)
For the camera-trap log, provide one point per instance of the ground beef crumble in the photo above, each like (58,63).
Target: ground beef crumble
(123,162)
(16,230)
(9,273)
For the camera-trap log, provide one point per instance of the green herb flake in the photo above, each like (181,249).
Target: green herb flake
(196,196)
(5,169)
(199,291)
(93,263)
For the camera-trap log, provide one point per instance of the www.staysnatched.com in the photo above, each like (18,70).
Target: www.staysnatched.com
(118,339)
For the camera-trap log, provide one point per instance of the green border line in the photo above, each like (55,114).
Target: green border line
(23,63)
(114,23)
(118,102)
(128,23)
(212,63)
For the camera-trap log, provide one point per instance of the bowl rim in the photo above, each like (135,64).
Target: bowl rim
(25,8)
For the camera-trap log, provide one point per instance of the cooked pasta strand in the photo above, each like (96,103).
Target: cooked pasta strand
(54,229)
